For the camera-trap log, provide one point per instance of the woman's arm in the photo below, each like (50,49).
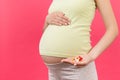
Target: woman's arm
(105,9)
(111,33)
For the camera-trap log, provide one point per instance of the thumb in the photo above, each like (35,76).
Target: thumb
(75,63)
(64,60)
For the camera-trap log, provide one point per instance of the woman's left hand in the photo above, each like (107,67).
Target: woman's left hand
(85,60)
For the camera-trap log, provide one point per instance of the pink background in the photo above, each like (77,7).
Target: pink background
(21,23)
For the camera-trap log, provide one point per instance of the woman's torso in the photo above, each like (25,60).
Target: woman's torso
(74,38)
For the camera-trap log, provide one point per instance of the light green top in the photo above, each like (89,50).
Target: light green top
(71,40)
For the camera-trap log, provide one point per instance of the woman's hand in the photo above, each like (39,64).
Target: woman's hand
(85,59)
(57,18)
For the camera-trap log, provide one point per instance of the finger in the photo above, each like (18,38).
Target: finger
(66,18)
(58,18)
(56,23)
(62,21)
(67,60)
(81,63)
(66,22)
(63,17)
(59,22)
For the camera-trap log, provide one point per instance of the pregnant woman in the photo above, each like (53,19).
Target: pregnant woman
(65,45)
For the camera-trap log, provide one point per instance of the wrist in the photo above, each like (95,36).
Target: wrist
(91,56)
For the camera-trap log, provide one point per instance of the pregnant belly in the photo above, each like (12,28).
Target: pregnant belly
(64,40)
(51,60)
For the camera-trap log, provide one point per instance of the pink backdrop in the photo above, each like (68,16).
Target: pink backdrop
(21,23)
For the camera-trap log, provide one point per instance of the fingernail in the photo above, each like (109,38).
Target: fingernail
(66,24)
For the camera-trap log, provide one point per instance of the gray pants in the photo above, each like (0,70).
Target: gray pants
(66,71)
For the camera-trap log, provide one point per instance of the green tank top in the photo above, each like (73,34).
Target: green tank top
(73,39)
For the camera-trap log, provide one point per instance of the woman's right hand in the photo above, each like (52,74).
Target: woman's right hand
(57,18)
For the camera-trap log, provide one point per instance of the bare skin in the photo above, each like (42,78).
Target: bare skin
(105,9)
